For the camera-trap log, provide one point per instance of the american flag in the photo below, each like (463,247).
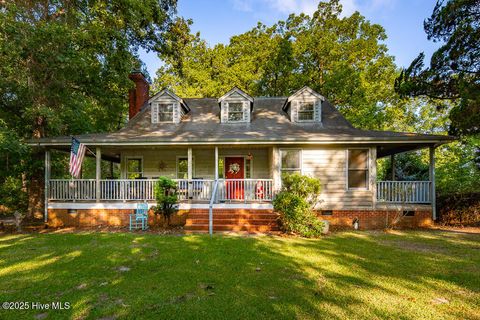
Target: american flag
(77,153)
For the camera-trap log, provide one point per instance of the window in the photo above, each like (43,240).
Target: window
(357,169)
(291,161)
(220,168)
(134,168)
(306,111)
(235,111)
(182,168)
(165,112)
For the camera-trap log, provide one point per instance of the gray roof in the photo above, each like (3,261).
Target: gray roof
(269,124)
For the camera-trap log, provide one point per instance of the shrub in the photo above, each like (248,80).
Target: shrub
(296,202)
(166,196)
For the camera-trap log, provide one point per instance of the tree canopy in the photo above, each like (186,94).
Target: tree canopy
(344,58)
(454,71)
(65,65)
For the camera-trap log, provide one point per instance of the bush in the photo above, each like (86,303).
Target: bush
(296,202)
(461,209)
(166,196)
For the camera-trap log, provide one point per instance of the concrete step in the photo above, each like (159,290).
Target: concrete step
(265,216)
(234,228)
(233,221)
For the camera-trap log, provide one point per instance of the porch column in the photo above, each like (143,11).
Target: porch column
(216,163)
(98,173)
(190,171)
(47,179)
(373,175)
(275,169)
(432,182)
(392,161)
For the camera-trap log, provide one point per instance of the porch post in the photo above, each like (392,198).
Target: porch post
(98,173)
(392,161)
(275,169)
(216,163)
(432,182)
(190,171)
(47,179)
(373,176)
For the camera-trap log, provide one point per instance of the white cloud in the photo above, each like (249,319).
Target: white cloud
(243,5)
(310,6)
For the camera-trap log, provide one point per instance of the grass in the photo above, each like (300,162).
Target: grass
(364,275)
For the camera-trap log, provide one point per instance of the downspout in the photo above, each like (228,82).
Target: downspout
(210,208)
(47,179)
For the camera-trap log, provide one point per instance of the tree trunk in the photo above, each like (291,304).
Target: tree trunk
(36,185)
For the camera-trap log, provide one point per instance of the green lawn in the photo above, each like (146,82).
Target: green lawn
(406,275)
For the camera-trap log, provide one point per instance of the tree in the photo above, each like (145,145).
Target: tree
(341,57)
(454,71)
(64,67)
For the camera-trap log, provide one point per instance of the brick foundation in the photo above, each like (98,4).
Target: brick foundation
(106,217)
(377,219)
(340,219)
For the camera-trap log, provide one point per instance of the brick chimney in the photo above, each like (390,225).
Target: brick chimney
(138,96)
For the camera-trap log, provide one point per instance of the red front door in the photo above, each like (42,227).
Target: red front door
(235,169)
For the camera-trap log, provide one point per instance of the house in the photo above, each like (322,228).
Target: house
(228,156)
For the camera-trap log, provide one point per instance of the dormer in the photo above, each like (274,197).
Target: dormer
(167,107)
(235,106)
(305,105)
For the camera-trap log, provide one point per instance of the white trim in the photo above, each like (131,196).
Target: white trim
(246,142)
(174,106)
(300,159)
(313,102)
(367,182)
(305,88)
(237,90)
(133,205)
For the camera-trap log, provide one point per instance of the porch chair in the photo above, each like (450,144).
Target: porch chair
(139,219)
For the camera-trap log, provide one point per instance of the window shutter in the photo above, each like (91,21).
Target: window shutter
(154,111)
(224,112)
(318,111)
(294,111)
(176,112)
(246,111)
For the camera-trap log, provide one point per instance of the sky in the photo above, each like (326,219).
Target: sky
(218,20)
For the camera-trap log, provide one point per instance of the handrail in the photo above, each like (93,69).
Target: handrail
(210,208)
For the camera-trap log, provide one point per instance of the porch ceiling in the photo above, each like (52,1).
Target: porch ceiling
(391,149)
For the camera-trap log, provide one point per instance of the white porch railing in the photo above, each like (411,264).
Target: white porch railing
(245,190)
(404,191)
(143,189)
(78,189)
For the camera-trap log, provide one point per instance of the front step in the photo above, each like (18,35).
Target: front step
(233,220)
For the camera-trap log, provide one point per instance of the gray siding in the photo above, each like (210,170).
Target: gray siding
(330,165)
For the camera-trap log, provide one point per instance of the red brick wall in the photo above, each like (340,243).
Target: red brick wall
(369,219)
(377,219)
(105,217)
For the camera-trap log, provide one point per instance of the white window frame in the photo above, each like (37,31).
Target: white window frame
(291,169)
(241,102)
(176,165)
(347,153)
(159,104)
(299,103)
(141,165)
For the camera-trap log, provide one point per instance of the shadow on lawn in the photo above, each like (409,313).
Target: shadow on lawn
(136,275)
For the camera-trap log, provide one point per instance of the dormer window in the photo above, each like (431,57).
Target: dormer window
(235,111)
(305,105)
(306,111)
(235,107)
(165,112)
(166,107)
